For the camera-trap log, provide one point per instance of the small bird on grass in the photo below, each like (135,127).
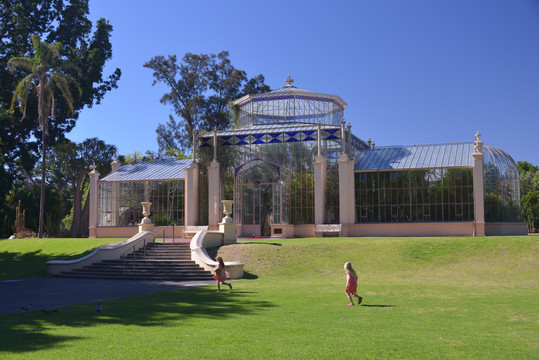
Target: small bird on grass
(27,308)
(48,311)
(99,307)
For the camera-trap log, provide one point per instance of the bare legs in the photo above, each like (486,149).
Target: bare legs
(359,299)
(225,283)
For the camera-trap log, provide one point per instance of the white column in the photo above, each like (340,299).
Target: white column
(191,195)
(115,208)
(93,195)
(346,183)
(346,190)
(319,181)
(319,189)
(214,187)
(478,187)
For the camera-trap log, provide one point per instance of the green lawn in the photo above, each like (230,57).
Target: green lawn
(424,298)
(23,258)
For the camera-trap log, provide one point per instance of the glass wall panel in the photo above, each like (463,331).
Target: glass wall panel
(414,195)
(119,204)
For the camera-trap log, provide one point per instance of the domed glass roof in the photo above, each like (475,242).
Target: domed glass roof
(290,104)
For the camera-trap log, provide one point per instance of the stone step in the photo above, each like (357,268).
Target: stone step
(141,268)
(155,262)
(157,258)
(166,263)
(141,271)
(179,277)
(170,246)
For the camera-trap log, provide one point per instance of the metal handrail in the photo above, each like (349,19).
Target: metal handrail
(132,247)
(164,231)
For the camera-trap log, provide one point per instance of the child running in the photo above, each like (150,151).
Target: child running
(351,284)
(220,274)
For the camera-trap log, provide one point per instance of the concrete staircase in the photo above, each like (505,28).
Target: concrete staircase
(163,262)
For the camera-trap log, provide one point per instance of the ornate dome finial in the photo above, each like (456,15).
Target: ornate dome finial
(477,135)
(289,80)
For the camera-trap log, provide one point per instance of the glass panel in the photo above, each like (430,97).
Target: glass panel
(415,196)
(119,204)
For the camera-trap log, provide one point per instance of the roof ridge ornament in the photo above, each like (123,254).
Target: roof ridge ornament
(289,80)
(478,144)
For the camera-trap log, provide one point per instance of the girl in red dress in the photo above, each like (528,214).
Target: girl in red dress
(351,284)
(220,274)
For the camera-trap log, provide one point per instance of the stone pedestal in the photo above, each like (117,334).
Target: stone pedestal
(229,232)
(227,225)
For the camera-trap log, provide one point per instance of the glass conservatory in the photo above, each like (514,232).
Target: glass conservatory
(293,167)
(121,193)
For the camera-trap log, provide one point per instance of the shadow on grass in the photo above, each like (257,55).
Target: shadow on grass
(14,265)
(262,243)
(379,306)
(249,276)
(32,331)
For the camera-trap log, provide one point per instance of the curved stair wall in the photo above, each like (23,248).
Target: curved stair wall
(56,267)
(208,239)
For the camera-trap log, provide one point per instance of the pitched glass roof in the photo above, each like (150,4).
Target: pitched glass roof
(405,157)
(291,92)
(161,170)
(273,128)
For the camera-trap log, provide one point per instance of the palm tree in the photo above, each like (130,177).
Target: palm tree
(46,74)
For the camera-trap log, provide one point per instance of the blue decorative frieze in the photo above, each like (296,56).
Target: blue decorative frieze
(283,97)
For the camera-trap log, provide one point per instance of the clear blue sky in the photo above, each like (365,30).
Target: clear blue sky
(412,72)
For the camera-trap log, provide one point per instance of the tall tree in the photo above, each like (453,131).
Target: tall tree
(69,168)
(86,45)
(201,89)
(529,194)
(47,76)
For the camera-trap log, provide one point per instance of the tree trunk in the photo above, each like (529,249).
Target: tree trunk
(43,174)
(85,218)
(77,200)
(41,120)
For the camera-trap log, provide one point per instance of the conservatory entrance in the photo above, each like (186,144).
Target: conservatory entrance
(258,197)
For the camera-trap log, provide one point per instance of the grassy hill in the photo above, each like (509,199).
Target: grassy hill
(22,258)
(424,298)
